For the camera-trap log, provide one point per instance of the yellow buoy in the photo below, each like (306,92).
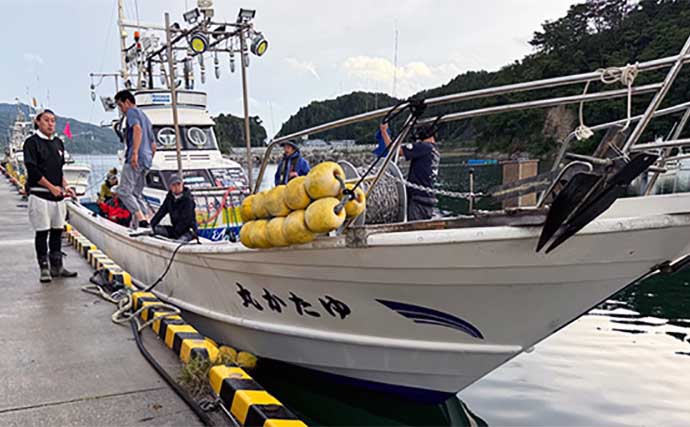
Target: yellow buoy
(296,196)
(274,232)
(228,354)
(259,206)
(321,217)
(245,234)
(322,182)
(246,360)
(275,202)
(246,208)
(257,234)
(295,229)
(355,207)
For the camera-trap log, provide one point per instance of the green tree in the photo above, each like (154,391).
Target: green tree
(230,132)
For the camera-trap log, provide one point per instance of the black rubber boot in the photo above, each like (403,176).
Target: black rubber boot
(56,268)
(45,270)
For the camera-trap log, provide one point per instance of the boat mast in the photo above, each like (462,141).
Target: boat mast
(173,92)
(123,40)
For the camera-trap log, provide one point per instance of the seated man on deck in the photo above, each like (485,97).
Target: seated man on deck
(424,161)
(292,164)
(111,181)
(179,204)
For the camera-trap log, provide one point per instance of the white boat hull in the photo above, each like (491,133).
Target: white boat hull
(425,312)
(77,177)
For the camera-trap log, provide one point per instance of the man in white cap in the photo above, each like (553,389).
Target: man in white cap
(179,204)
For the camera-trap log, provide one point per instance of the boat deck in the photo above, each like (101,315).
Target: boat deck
(63,362)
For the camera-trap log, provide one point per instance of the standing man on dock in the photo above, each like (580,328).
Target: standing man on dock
(44,157)
(141,147)
(424,161)
(292,164)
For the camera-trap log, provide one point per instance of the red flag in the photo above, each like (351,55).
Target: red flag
(67,131)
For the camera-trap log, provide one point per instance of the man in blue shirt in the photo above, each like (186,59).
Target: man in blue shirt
(424,161)
(291,165)
(141,146)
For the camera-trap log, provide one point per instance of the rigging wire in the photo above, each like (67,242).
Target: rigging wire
(136,9)
(105,50)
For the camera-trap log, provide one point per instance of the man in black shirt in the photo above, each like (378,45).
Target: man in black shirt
(424,161)
(179,204)
(44,156)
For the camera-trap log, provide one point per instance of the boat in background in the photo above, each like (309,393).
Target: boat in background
(20,131)
(217,183)
(76,174)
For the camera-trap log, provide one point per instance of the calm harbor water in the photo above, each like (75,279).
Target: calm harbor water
(625,363)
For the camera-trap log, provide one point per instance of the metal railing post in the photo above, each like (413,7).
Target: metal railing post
(656,101)
(667,151)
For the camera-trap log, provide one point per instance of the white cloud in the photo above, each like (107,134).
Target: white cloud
(33,61)
(410,78)
(303,66)
(32,58)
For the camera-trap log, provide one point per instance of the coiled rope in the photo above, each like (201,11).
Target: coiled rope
(608,76)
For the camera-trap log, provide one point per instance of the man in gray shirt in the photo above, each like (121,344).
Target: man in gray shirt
(141,146)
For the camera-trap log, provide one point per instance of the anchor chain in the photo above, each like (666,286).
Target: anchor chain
(437,191)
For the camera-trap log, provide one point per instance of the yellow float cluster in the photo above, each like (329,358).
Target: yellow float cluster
(295,213)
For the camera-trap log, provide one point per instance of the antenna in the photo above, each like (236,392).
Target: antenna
(395,60)
(273,128)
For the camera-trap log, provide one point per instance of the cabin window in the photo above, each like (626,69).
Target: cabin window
(154,180)
(195,178)
(191,138)
(228,177)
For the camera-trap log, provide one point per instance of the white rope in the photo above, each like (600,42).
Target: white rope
(123,300)
(611,75)
(98,291)
(125,305)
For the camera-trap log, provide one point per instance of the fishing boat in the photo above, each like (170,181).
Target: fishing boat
(218,184)
(21,129)
(76,174)
(426,308)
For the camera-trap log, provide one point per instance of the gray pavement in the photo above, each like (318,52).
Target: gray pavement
(62,361)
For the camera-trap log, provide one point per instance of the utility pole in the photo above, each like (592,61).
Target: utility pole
(247,136)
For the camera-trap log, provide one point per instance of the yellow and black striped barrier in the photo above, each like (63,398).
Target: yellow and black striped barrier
(247,401)
(244,398)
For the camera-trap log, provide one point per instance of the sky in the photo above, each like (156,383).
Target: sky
(317,49)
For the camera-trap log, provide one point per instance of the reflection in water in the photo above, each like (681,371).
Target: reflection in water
(321,402)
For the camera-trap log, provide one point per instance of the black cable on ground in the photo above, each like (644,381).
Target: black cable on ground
(203,417)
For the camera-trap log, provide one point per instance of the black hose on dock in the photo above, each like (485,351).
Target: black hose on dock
(203,417)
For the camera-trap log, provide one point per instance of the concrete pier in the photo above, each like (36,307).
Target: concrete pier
(62,360)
